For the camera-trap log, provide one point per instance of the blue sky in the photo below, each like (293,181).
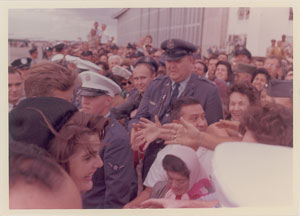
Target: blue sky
(58,24)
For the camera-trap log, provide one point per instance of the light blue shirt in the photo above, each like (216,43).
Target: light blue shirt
(182,85)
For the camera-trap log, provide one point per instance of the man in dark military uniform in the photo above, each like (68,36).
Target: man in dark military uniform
(34,55)
(143,73)
(179,82)
(114,183)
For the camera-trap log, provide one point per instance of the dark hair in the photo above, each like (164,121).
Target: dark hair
(201,62)
(247,89)
(228,66)
(261,71)
(33,165)
(178,104)
(46,77)
(213,57)
(13,70)
(67,140)
(270,124)
(175,164)
(148,66)
(104,64)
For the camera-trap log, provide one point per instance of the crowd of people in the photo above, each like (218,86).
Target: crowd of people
(95,125)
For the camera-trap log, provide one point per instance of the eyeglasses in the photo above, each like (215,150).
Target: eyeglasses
(126,83)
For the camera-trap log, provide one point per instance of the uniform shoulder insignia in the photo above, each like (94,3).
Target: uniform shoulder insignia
(115,167)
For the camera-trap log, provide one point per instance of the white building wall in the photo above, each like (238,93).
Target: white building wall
(165,23)
(263,25)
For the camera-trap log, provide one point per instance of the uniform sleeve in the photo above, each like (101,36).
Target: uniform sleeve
(143,109)
(119,173)
(213,107)
(124,109)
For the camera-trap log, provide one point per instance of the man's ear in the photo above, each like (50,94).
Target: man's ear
(108,100)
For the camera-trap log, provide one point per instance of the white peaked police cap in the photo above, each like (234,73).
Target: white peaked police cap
(80,63)
(120,71)
(94,84)
(253,174)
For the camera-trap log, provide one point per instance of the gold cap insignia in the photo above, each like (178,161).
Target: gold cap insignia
(170,44)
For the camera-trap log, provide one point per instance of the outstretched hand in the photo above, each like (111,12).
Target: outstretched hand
(185,134)
(146,132)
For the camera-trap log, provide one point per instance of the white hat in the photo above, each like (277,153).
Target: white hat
(120,71)
(253,174)
(57,57)
(94,84)
(80,63)
(86,65)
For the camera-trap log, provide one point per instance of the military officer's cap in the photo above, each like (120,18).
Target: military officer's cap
(280,88)
(114,47)
(94,84)
(243,51)
(137,54)
(48,48)
(244,68)
(131,46)
(120,71)
(33,50)
(59,46)
(86,53)
(147,60)
(22,63)
(177,48)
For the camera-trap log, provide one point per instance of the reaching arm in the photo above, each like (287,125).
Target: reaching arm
(144,195)
(169,203)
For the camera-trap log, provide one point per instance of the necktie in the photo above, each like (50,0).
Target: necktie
(175,93)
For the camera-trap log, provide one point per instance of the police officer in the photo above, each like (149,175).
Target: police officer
(34,55)
(114,183)
(179,82)
(23,64)
(143,73)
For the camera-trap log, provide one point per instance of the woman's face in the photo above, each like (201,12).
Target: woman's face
(238,103)
(221,72)
(178,182)
(84,163)
(259,81)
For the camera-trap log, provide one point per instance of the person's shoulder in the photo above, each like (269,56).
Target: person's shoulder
(161,78)
(115,130)
(202,80)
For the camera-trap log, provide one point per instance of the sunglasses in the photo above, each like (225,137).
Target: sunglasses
(125,83)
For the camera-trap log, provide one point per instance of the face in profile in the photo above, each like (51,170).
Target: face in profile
(178,182)
(15,87)
(238,103)
(85,161)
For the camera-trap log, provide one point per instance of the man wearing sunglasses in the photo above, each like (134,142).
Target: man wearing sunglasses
(144,72)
